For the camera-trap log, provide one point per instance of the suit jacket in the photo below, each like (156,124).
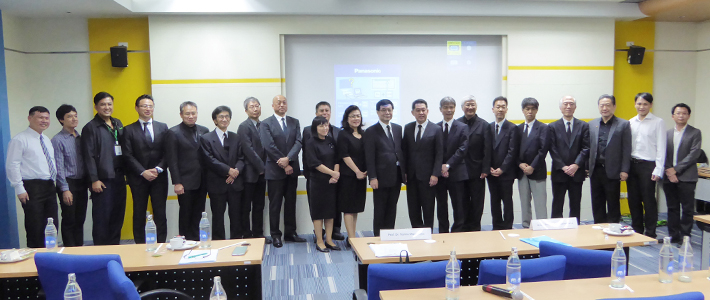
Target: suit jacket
(141,155)
(505,149)
(98,148)
(334,131)
(183,156)
(381,156)
(254,153)
(424,158)
(217,161)
(565,152)
(480,145)
(618,147)
(455,150)
(688,153)
(277,145)
(533,149)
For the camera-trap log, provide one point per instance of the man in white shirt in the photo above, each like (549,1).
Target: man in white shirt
(648,155)
(31,170)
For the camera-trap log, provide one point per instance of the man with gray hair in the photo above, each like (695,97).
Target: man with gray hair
(478,162)
(532,168)
(454,174)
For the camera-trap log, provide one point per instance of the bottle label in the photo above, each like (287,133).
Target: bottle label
(151,238)
(514,278)
(452,282)
(669,269)
(621,271)
(683,263)
(50,241)
(203,235)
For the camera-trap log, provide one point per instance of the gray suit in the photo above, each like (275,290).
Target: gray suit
(682,193)
(605,176)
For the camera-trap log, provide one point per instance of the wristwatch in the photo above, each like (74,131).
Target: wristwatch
(447,166)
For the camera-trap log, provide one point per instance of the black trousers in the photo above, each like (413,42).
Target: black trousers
(41,205)
(501,192)
(192,204)
(385,207)
(679,196)
(455,189)
(157,191)
(475,199)
(337,221)
(218,204)
(253,202)
(642,197)
(574,190)
(107,211)
(282,191)
(605,197)
(74,215)
(420,203)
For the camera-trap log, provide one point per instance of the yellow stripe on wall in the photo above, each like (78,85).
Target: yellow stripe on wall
(238,80)
(588,68)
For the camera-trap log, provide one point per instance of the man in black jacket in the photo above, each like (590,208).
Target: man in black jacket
(532,168)
(453,170)
(478,162)
(503,167)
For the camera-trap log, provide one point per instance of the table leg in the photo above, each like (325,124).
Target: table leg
(704,259)
(628,258)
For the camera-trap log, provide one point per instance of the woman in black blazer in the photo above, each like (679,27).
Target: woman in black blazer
(352,186)
(323,163)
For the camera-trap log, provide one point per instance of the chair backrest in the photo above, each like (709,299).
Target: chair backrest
(91,274)
(383,277)
(121,287)
(492,271)
(581,263)
(683,296)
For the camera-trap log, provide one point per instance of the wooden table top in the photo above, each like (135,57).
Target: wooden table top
(491,243)
(135,258)
(704,172)
(702,218)
(580,289)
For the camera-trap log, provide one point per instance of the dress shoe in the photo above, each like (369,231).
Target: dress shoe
(347,243)
(294,238)
(322,249)
(278,243)
(337,236)
(333,247)
(267,240)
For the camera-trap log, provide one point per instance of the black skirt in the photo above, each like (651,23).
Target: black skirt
(351,194)
(322,198)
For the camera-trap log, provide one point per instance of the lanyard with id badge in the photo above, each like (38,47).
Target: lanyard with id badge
(117,147)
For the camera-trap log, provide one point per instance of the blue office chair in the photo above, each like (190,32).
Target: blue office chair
(492,271)
(91,274)
(581,263)
(384,277)
(123,288)
(683,296)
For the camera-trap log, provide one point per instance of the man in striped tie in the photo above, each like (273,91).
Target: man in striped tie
(31,170)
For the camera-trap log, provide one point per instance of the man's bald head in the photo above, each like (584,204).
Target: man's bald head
(279,105)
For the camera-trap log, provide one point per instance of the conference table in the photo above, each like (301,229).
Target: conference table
(579,289)
(241,275)
(473,247)
(705,244)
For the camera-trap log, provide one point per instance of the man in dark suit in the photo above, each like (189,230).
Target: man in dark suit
(101,145)
(478,162)
(453,170)
(144,148)
(569,149)
(609,160)
(281,137)
(423,146)
(224,160)
(532,168)
(385,166)
(683,149)
(186,170)
(503,165)
(322,110)
(254,181)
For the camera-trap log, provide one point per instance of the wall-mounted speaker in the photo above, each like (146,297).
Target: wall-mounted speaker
(119,56)
(635,56)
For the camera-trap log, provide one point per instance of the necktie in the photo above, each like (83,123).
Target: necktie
(225,141)
(497,129)
(52,168)
(446,135)
(194,133)
(258,124)
(146,133)
(526,130)
(283,124)
(419,134)
(569,131)
(389,135)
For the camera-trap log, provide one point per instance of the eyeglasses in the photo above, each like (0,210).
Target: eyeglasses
(354,116)
(223,117)
(385,110)
(681,114)
(146,106)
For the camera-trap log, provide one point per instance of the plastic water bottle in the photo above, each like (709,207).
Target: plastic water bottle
(512,270)
(665,262)
(618,266)
(151,233)
(50,235)
(72,291)
(205,232)
(685,261)
(217,290)
(453,277)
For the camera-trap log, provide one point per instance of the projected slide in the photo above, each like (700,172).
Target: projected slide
(364,85)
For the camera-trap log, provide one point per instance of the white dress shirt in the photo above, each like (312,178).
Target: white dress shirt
(416,129)
(278,118)
(150,127)
(571,124)
(677,138)
(26,160)
(443,125)
(648,141)
(221,135)
(500,127)
(530,126)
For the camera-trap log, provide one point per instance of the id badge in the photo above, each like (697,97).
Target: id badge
(118,151)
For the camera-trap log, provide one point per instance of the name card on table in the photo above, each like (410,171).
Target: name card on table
(405,234)
(558,223)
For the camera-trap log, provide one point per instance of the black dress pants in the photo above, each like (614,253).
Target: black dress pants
(605,197)
(642,197)
(74,215)
(157,191)
(455,189)
(420,203)
(679,196)
(501,191)
(218,204)
(41,205)
(574,190)
(253,202)
(108,210)
(282,191)
(475,198)
(192,204)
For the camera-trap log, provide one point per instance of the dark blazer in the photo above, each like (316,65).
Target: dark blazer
(183,156)
(480,146)
(424,158)
(98,147)
(618,147)
(254,153)
(688,153)
(505,149)
(334,131)
(217,161)
(455,154)
(533,150)
(141,155)
(381,156)
(565,153)
(278,145)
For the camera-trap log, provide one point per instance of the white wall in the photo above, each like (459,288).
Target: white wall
(702,85)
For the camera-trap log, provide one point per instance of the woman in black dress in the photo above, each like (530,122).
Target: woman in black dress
(323,163)
(352,185)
